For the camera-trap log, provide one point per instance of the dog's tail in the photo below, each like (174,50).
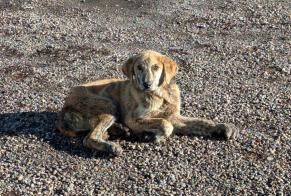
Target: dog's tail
(192,126)
(203,127)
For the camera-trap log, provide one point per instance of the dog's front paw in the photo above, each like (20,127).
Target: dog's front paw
(227,130)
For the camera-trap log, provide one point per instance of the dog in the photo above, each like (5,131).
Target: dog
(147,101)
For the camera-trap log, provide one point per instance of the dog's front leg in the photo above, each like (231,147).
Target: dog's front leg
(203,127)
(158,126)
(96,139)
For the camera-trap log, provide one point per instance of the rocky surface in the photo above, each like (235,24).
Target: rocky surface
(234,59)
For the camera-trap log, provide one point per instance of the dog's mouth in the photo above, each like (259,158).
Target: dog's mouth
(148,90)
(141,85)
(152,89)
(145,88)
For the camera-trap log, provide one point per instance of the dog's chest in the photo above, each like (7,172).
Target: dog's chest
(149,107)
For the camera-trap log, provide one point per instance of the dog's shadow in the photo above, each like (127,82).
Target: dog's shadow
(43,125)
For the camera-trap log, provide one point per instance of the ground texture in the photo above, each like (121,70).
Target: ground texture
(234,59)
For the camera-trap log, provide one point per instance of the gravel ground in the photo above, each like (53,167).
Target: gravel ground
(234,61)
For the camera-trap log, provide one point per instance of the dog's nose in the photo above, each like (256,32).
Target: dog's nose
(147,85)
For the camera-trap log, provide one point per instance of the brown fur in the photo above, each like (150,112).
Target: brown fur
(94,107)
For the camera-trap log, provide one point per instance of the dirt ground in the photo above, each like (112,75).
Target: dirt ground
(234,59)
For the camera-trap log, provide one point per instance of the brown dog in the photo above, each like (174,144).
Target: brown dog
(148,101)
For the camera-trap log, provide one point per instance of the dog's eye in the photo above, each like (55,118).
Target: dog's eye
(139,67)
(155,67)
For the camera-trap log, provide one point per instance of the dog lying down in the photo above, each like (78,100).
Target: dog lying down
(148,101)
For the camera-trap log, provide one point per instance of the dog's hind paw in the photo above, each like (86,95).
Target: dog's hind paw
(103,146)
(158,139)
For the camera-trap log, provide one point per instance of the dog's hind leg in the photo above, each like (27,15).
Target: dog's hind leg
(72,124)
(203,127)
(96,139)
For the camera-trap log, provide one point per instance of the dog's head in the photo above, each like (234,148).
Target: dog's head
(149,70)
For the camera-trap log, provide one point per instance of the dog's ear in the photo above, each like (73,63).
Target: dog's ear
(127,67)
(170,68)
